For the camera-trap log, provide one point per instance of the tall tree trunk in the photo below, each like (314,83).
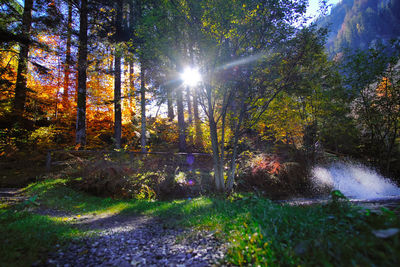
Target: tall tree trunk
(82,66)
(231,176)
(20,88)
(181,121)
(143,106)
(197,122)
(131,28)
(170,104)
(117,100)
(131,16)
(218,175)
(190,116)
(117,76)
(131,86)
(68,60)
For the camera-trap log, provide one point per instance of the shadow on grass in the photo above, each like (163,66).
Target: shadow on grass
(258,231)
(27,237)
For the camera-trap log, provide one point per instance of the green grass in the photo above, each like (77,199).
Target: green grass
(26,237)
(257,230)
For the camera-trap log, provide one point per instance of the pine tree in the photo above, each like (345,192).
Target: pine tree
(82,67)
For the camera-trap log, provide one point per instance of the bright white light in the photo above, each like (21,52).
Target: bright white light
(191,76)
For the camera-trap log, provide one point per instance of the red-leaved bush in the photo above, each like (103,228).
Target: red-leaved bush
(267,173)
(265,163)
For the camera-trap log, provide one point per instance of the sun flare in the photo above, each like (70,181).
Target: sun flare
(191,76)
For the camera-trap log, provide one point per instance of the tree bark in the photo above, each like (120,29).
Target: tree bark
(231,176)
(143,106)
(131,86)
(82,67)
(117,76)
(171,114)
(197,122)
(198,142)
(190,116)
(181,121)
(218,175)
(131,28)
(20,88)
(68,59)
(131,17)
(117,100)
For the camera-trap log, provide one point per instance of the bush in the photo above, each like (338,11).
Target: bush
(143,177)
(267,174)
(104,178)
(295,176)
(107,178)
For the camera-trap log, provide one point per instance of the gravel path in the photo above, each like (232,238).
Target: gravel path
(119,240)
(11,195)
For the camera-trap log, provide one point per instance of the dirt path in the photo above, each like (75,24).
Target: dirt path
(11,195)
(120,240)
(126,240)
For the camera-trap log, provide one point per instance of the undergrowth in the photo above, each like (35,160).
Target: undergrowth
(258,231)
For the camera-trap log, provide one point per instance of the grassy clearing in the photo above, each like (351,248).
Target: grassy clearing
(258,231)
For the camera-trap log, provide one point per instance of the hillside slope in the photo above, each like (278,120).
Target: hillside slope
(356,24)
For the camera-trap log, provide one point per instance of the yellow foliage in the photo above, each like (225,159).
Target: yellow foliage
(283,120)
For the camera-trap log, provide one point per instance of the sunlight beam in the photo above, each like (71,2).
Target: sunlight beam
(191,76)
(242,61)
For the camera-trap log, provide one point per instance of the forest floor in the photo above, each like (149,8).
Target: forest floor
(128,240)
(109,238)
(55,225)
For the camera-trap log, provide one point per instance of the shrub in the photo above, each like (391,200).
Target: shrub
(104,178)
(142,177)
(267,174)
(111,179)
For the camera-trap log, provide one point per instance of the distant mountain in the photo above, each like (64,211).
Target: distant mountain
(358,24)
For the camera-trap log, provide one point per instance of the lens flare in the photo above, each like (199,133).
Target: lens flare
(191,76)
